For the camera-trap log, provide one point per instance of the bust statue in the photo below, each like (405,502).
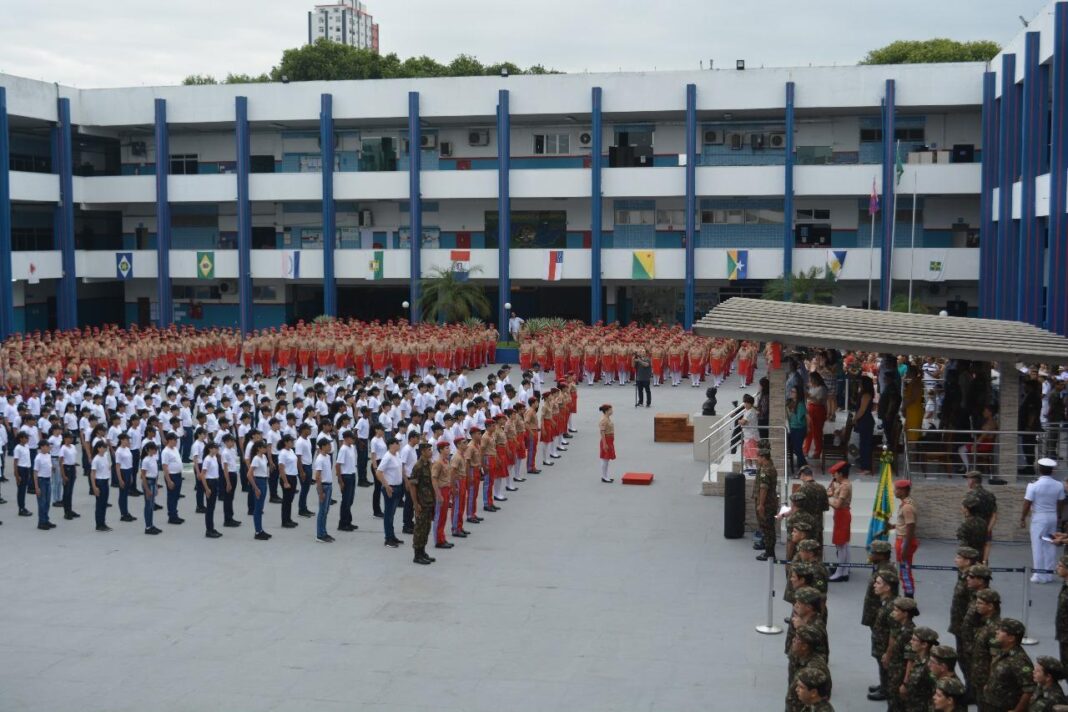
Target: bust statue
(709,406)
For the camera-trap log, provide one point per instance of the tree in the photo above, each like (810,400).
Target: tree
(199,80)
(813,287)
(931,51)
(447,298)
(901,304)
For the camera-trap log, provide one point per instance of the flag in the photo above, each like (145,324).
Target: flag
(556,266)
(205,265)
(836,262)
(461,264)
(737,264)
(873,201)
(32,277)
(936,268)
(899,167)
(291,264)
(643,265)
(123,265)
(883,507)
(374,267)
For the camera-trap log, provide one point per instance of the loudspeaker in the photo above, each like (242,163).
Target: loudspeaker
(963,153)
(734,506)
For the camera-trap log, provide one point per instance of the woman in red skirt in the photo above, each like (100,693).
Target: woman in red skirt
(608,441)
(840,496)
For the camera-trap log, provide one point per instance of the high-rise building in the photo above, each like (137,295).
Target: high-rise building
(346,22)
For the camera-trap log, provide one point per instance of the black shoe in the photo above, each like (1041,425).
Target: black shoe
(157,507)
(607,480)
(333,502)
(408,530)
(363,483)
(379,515)
(50,525)
(176,520)
(152,531)
(444,545)
(213,534)
(127,518)
(499,499)
(460,534)
(398,542)
(68,516)
(232,524)
(874,688)
(839,579)
(491,508)
(305,513)
(25,513)
(134,493)
(346,528)
(201,509)
(519,479)
(474,520)
(103,528)
(762,557)
(323,539)
(43,526)
(262,536)
(289,525)
(649,406)
(275,499)
(533,472)
(421,560)
(391,543)
(511,489)
(555,457)
(877,696)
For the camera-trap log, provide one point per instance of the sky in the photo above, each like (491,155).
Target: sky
(128,43)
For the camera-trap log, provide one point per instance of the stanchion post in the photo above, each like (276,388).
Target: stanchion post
(1028,639)
(769,628)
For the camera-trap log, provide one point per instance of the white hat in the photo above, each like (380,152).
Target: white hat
(1047,462)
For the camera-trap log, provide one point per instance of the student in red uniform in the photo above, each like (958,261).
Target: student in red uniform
(608,441)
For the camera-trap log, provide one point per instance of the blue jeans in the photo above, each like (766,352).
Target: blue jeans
(306,481)
(324,510)
(391,510)
(797,446)
(211,496)
(257,510)
(348,496)
(125,485)
(172,497)
(103,486)
(150,501)
(24,474)
(68,487)
(44,498)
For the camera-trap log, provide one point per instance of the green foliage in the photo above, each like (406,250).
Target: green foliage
(446,298)
(931,51)
(325,61)
(541,324)
(474,321)
(817,286)
(901,304)
(324,319)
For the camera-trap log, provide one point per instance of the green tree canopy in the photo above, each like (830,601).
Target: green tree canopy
(815,286)
(327,61)
(447,298)
(931,51)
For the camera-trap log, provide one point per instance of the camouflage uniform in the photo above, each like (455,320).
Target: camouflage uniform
(768,477)
(972,532)
(1010,678)
(968,626)
(961,596)
(424,495)
(981,651)
(900,653)
(987,504)
(823,706)
(814,502)
(880,639)
(919,683)
(871,601)
(811,596)
(797,664)
(1046,697)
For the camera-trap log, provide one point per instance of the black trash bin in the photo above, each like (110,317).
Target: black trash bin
(734,506)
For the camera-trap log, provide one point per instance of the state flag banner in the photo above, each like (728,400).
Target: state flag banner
(836,262)
(461,260)
(643,265)
(123,265)
(375,269)
(291,264)
(206,265)
(555,266)
(737,264)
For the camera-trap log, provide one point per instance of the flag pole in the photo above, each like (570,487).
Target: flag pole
(912,241)
(871,246)
(893,229)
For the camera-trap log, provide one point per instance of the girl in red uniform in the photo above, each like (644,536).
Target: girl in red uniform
(608,441)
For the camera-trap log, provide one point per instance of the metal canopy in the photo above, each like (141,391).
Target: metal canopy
(880,331)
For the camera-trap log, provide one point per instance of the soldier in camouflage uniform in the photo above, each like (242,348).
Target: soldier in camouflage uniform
(950,696)
(813,500)
(766,502)
(799,529)
(803,655)
(966,558)
(793,520)
(808,610)
(987,509)
(978,579)
(422,483)
(879,558)
(808,551)
(972,531)
(1048,692)
(918,685)
(942,663)
(885,588)
(1061,617)
(1011,683)
(814,690)
(898,653)
(988,608)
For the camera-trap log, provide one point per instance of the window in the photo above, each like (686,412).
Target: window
(763,216)
(635,217)
(909,134)
(670,217)
(552,144)
(184,164)
(871,135)
(742,216)
(813,214)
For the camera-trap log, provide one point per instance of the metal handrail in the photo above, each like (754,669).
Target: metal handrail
(937,452)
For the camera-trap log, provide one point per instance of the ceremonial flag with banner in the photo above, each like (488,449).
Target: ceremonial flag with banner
(873,200)
(936,268)
(883,507)
(643,265)
(737,264)
(461,264)
(291,264)
(205,265)
(124,265)
(835,262)
(375,266)
(556,266)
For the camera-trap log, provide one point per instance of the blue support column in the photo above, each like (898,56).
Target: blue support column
(504,208)
(596,163)
(67,294)
(326,143)
(415,203)
(788,193)
(7,291)
(691,205)
(1030,251)
(1057,294)
(886,255)
(1008,142)
(244,220)
(988,178)
(163,218)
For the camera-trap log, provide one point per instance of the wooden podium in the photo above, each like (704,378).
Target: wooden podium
(672,428)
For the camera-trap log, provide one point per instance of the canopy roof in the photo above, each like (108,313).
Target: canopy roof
(880,331)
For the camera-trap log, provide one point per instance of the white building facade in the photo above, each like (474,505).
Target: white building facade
(347,22)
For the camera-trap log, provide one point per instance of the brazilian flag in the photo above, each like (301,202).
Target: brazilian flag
(205,265)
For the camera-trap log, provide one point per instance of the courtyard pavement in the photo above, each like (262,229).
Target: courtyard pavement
(577,596)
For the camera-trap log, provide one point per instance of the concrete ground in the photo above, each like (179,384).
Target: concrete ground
(577,595)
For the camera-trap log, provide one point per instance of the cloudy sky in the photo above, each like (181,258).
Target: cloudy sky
(123,42)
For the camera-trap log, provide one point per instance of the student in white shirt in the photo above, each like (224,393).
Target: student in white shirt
(323,470)
(377,450)
(68,459)
(101,481)
(389,473)
(288,465)
(149,484)
(23,470)
(124,471)
(172,476)
(302,447)
(258,471)
(210,481)
(346,474)
(42,482)
(231,477)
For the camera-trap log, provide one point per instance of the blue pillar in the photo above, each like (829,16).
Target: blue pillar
(415,203)
(504,208)
(1057,294)
(7,291)
(691,204)
(67,296)
(596,163)
(988,173)
(1007,149)
(788,193)
(163,218)
(244,220)
(1030,251)
(326,143)
(886,258)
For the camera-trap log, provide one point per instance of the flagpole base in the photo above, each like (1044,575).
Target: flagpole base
(768,629)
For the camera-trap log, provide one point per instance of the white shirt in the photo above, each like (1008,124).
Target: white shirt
(408,457)
(22,456)
(124,458)
(302,448)
(391,468)
(346,459)
(172,460)
(150,468)
(324,468)
(101,467)
(379,448)
(259,466)
(287,458)
(42,465)
(211,468)
(1043,494)
(68,454)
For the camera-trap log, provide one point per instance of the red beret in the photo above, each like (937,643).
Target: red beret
(838,466)
(905,484)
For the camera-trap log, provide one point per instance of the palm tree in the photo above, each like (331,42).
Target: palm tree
(813,287)
(447,298)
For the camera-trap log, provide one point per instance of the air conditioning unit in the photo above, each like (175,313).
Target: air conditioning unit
(445,149)
(227,287)
(736,141)
(138,148)
(585,139)
(428,141)
(777,140)
(713,137)
(478,138)
(757,141)
(367,218)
